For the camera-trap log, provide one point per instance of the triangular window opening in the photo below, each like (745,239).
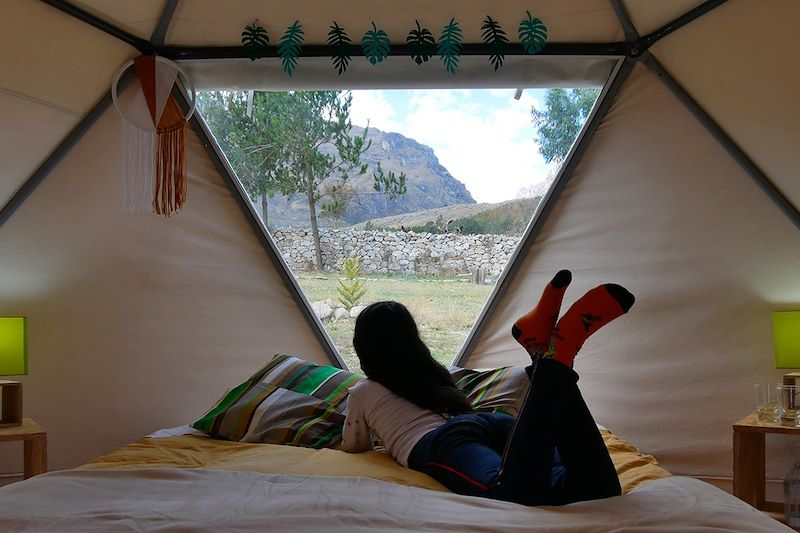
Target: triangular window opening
(419,196)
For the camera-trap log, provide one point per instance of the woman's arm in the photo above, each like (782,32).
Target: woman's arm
(356,435)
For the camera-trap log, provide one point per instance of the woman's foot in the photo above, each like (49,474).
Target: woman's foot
(534,329)
(592,311)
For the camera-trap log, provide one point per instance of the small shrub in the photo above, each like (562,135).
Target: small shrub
(351,289)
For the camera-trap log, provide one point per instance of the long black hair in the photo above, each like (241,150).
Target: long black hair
(391,352)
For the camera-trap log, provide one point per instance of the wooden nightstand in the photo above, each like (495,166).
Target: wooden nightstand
(749,473)
(35,442)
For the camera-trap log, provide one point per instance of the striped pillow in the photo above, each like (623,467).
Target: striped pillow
(288,401)
(496,390)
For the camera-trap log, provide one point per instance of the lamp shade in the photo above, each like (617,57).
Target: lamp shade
(786,333)
(13,346)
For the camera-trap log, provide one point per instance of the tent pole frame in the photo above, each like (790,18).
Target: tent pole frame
(140,44)
(180,53)
(55,157)
(156,44)
(61,151)
(631,33)
(160,32)
(651,38)
(747,164)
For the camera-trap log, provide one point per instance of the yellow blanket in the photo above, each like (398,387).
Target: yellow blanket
(187,451)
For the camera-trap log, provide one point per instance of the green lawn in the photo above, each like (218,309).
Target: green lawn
(445,308)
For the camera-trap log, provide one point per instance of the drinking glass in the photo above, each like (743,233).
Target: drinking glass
(766,402)
(788,405)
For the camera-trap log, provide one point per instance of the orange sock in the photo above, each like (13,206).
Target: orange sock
(533,330)
(592,311)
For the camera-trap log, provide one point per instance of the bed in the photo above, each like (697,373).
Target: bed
(183,479)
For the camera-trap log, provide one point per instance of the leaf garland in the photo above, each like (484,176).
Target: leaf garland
(341,47)
(375,44)
(290,46)
(421,44)
(255,40)
(496,41)
(532,34)
(450,45)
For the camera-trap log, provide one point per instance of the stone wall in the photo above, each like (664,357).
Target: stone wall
(398,252)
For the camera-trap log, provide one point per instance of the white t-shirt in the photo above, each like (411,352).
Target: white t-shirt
(398,422)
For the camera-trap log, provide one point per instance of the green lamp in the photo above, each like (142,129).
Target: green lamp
(786,334)
(13,362)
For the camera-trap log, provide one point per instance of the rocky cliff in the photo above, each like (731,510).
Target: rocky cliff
(429,184)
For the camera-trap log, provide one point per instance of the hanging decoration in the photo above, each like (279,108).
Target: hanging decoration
(341,47)
(496,41)
(450,46)
(376,45)
(532,34)
(290,46)
(255,41)
(421,44)
(154,135)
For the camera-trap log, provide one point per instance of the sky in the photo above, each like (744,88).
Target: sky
(484,137)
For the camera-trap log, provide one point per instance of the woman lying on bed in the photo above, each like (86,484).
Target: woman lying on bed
(550,454)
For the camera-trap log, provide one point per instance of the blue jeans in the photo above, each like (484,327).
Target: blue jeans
(551,454)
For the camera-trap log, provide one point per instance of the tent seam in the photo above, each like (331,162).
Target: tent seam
(41,102)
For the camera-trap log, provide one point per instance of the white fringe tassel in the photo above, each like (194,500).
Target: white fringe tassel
(139,169)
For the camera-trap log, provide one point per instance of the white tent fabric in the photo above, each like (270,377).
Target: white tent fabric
(138,322)
(732,61)
(522,71)
(668,225)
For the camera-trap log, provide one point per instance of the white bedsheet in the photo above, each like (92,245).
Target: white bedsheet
(172,499)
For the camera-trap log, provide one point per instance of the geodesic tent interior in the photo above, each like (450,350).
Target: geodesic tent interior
(682,186)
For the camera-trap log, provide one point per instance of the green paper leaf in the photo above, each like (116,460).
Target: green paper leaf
(496,41)
(255,41)
(421,44)
(342,47)
(290,46)
(532,34)
(376,45)
(450,46)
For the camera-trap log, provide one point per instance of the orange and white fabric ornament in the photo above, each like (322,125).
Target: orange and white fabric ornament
(154,138)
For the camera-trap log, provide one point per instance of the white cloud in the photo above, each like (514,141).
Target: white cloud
(484,138)
(374,108)
(489,148)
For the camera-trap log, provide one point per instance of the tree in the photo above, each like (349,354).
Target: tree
(318,155)
(246,139)
(558,125)
(295,142)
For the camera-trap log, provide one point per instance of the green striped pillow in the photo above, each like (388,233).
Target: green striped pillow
(288,401)
(496,390)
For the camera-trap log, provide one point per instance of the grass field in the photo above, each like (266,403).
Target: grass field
(445,308)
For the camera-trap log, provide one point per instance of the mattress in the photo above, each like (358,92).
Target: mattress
(200,499)
(194,483)
(190,451)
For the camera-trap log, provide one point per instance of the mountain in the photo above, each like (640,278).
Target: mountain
(429,185)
